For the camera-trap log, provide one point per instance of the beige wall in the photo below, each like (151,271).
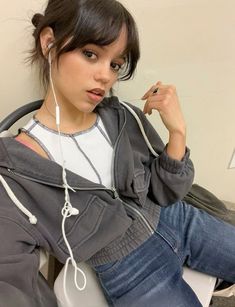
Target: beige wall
(189,43)
(18,83)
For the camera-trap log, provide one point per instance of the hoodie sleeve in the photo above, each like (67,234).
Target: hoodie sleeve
(21,284)
(170,179)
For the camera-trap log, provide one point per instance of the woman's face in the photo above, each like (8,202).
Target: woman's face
(84,76)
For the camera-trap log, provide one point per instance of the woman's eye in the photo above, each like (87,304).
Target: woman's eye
(116,67)
(90,54)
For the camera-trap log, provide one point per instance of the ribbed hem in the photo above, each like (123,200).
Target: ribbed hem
(136,234)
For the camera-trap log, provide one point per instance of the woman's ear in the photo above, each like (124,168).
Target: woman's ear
(46,40)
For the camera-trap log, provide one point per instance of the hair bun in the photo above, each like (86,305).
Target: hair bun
(36,20)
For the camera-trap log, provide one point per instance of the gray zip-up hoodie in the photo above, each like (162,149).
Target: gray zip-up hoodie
(111,222)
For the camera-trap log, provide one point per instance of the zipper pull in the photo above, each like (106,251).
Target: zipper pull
(115,193)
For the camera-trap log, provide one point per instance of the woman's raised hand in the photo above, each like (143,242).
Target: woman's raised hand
(164,99)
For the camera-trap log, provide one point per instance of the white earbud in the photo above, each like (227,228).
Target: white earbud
(74,211)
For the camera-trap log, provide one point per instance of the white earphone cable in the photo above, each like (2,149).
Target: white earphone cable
(67,210)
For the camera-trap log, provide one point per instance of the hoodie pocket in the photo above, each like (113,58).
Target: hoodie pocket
(141,181)
(95,227)
(85,224)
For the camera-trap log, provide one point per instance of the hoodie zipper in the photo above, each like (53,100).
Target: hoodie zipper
(137,212)
(150,228)
(115,192)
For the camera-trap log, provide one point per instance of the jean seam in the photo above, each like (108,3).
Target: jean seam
(175,249)
(108,296)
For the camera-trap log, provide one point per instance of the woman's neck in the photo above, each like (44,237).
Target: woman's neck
(70,122)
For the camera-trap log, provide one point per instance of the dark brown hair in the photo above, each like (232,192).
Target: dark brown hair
(81,22)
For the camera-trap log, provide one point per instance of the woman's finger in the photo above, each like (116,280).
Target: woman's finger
(153,101)
(151,90)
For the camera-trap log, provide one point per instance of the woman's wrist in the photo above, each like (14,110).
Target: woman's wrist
(176,145)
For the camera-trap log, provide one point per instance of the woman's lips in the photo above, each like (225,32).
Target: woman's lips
(98,91)
(96,95)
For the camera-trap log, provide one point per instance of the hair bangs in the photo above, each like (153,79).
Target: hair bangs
(103,29)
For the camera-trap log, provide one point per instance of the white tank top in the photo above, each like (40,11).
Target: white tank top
(87,153)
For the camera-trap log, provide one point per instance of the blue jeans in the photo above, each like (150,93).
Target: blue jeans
(151,275)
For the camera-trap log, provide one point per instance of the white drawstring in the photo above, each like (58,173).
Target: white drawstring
(67,211)
(141,128)
(32,218)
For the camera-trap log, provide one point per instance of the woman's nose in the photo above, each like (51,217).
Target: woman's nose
(103,74)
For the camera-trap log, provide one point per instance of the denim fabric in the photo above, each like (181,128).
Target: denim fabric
(151,275)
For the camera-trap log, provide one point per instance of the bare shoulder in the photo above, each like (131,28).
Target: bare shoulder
(26,140)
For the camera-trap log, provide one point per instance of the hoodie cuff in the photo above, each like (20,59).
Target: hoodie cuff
(172,165)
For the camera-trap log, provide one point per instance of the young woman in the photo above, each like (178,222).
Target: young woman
(82,164)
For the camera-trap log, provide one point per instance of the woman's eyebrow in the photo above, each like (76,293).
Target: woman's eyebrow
(122,55)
